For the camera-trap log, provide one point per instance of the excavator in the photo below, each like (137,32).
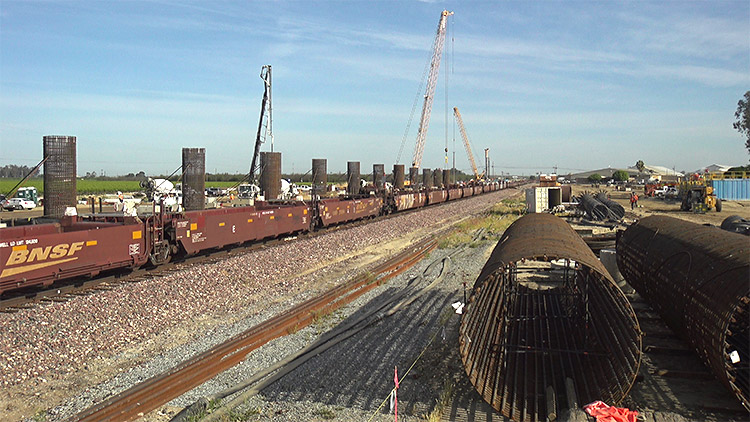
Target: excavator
(477,176)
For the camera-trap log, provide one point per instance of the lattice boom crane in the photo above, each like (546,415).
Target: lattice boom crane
(465,137)
(437,53)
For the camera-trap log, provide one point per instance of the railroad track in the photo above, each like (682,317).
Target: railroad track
(159,390)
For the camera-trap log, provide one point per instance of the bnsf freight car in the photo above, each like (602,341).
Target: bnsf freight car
(40,255)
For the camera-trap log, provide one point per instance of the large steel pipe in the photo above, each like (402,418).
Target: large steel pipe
(270,175)
(617,210)
(698,279)
(543,310)
(398,176)
(193,178)
(595,209)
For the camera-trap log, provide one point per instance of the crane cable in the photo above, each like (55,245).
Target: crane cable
(414,107)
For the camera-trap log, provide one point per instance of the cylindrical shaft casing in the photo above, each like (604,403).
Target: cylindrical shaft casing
(378,176)
(59,174)
(193,178)
(437,178)
(447,178)
(427,178)
(319,175)
(698,279)
(413,177)
(398,176)
(542,310)
(270,175)
(352,177)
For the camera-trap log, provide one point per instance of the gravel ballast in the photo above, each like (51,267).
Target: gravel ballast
(83,350)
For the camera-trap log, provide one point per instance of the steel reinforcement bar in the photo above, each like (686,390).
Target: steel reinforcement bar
(546,325)
(698,279)
(156,391)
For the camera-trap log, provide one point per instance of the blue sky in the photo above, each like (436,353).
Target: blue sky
(578,85)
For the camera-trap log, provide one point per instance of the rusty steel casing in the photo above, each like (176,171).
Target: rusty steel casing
(319,175)
(59,174)
(698,279)
(352,177)
(437,178)
(270,175)
(378,177)
(413,177)
(447,177)
(193,178)
(518,338)
(398,176)
(426,178)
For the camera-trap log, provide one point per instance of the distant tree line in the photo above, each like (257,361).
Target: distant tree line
(14,171)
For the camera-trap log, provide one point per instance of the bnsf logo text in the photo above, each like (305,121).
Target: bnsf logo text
(23,256)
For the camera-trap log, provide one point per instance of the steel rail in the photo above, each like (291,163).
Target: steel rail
(160,389)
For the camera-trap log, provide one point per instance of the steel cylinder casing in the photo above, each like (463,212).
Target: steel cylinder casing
(544,310)
(319,175)
(193,178)
(427,178)
(270,175)
(59,174)
(698,279)
(352,177)
(398,176)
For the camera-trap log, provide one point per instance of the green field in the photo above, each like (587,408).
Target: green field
(93,186)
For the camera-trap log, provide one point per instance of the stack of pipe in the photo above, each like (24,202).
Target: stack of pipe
(617,210)
(547,325)
(698,279)
(594,209)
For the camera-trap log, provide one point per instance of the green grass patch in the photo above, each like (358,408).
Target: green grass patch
(94,186)
(494,221)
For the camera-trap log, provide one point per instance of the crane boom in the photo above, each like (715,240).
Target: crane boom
(264,130)
(424,122)
(466,142)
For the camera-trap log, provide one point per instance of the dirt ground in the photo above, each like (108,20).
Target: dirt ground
(656,206)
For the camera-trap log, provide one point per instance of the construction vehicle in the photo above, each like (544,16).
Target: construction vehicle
(424,122)
(698,198)
(467,144)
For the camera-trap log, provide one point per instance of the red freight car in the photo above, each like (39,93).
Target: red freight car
(478,190)
(468,191)
(455,193)
(335,210)
(406,201)
(44,253)
(437,196)
(196,231)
